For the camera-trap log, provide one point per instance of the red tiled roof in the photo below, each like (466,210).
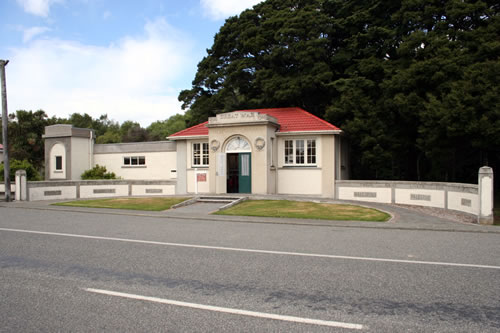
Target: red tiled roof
(290,120)
(197,130)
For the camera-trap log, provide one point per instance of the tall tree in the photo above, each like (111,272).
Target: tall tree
(25,132)
(100,125)
(413,83)
(274,55)
(133,132)
(159,130)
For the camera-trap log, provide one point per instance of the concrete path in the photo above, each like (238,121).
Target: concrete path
(402,218)
(196,209)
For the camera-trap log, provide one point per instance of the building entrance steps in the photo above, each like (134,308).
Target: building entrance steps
(206,204)
(217,199)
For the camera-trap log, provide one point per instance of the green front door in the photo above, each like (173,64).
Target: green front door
(244,173)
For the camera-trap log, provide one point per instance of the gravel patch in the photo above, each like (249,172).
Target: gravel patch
(443,213)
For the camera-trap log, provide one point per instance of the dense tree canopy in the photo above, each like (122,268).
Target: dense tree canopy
(159,130)
(414,84)
(25,135)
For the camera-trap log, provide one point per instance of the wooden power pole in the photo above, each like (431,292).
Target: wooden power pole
(5,123)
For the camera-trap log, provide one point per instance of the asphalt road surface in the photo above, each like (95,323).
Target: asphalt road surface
(80,272)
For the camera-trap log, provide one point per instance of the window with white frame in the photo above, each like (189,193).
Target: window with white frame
(300,152)
(200,154)
(134,160)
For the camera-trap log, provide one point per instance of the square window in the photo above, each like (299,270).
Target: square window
(300,152)
(126,161)
(200,154)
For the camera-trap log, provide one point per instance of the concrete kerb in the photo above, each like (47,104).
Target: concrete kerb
(233,203)
(197,199)
(185,203)
(170,214)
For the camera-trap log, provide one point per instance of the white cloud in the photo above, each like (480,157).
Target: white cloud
(38,7)
(133,79)
(221,9)
(30,33)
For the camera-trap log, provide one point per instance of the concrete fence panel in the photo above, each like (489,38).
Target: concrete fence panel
(420,197)
(369,194)
(464,202)
(12,188)
(88,189)
(152,190)
(103,191)
(467,198)
(47,192)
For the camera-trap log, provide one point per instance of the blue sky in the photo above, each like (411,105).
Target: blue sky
(128,59)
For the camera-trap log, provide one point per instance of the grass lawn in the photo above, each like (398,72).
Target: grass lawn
(151,204)
(305,210)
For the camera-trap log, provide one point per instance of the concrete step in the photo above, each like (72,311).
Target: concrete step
(217,199)
(213,200)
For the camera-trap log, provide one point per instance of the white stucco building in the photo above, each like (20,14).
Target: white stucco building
(264,151)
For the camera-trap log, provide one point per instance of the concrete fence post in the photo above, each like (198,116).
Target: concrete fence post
(21,185)
(485,182)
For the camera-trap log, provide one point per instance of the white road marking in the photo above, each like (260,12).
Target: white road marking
(229,310)
(221,248)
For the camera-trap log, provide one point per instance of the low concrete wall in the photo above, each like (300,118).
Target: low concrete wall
(12,188)
(455,196)
(88,189)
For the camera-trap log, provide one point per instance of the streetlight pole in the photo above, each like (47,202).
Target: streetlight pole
(5,122)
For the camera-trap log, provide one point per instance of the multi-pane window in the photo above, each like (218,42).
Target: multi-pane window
(300,152)
(311,151)
(134,160)
(200,154)
(288,151)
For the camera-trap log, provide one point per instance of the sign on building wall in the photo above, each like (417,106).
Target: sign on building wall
(221,164)
(201,177)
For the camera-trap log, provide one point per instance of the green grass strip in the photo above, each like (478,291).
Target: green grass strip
(305,210)
(147,204)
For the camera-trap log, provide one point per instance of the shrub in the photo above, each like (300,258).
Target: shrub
(31,173)
(98,172)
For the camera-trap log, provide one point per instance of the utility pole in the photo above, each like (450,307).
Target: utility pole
(5,123)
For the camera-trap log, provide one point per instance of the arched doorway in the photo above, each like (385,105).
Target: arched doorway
(239,166)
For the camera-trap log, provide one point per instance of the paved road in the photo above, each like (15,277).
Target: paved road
(60,269)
